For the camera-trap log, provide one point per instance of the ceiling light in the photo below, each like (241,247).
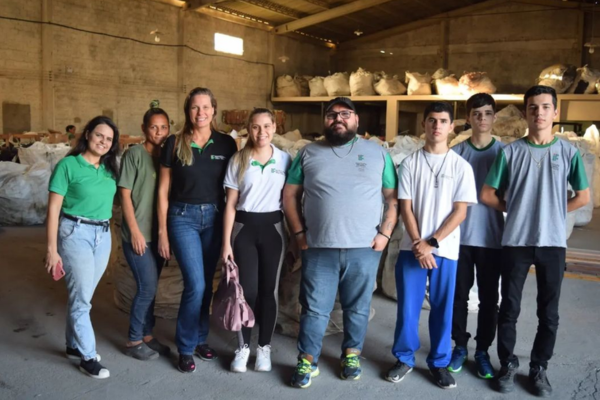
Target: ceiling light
(382,51)
(358,32)
(283,59)
(156,34)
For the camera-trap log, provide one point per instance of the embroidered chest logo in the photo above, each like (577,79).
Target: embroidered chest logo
(277,171)
(222,158)
(361,157)
(554,157)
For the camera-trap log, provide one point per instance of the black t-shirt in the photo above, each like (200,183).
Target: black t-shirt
(201,182)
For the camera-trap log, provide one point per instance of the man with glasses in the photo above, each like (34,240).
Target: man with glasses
(342,225)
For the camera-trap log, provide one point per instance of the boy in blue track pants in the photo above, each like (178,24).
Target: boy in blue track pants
(435,187)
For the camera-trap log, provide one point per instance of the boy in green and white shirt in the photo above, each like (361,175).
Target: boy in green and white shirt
(533,173)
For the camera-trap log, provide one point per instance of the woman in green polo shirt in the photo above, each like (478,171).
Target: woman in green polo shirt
(137,188)
(82,188)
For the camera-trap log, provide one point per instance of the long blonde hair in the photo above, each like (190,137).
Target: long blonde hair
(183,140)
(242,157)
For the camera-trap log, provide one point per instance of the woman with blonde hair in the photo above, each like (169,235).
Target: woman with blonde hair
(253,231)
(190,197)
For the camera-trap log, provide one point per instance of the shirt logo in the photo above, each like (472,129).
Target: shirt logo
(277,171)
(554,157)
(444,176)
(361,166)
(361,157)
(222,158)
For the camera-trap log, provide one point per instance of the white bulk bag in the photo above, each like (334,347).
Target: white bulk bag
(387,86)
(316,86)
(337,84)
(288,86)
(585,81)
(447,86)
(418,84)
(476,82)
(38,151)
(24,193)
(560,77)
(361,83)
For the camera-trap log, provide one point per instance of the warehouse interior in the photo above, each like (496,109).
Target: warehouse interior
(62,62)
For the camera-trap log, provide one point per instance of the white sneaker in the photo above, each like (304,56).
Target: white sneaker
(263,359)
(241,359)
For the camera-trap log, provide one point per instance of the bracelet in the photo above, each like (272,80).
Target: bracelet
(300,232)
(384,235)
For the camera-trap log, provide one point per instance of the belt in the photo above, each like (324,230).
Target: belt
(104,224)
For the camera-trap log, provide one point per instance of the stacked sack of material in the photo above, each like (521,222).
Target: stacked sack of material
(445,83)
(418,84)
(476,82)
(287,86)
(24,193)
(337,84)
(560,77)
(361,83)
(388,86)
(317,87)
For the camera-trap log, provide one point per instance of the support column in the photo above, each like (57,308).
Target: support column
(391,119)
(47,66)
(181,84)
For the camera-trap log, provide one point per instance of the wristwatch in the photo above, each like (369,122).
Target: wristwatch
(433,242)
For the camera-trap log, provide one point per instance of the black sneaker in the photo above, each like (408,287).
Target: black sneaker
(442,377)
(506,378)
(539,380)
(186,363)
(75,354)
(205,352)
(158,347)
(398,372)
(94,369)
(141,352)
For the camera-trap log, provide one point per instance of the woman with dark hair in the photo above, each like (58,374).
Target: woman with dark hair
(190,198)
(139,233)
(82,188)
(253,231)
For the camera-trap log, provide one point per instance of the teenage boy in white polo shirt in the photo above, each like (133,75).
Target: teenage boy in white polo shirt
(435,187)
(533,174)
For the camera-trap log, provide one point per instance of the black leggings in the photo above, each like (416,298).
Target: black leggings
(258,245)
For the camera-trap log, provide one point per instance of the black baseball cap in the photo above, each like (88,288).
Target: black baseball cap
(340,100)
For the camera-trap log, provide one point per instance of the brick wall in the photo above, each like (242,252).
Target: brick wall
(94,74)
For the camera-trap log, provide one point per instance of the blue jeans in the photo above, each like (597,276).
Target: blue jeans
(195,234)
(411,280)
(146,271)
(324,272)
(84,250)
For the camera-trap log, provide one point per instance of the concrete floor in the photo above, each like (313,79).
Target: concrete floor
(33,366)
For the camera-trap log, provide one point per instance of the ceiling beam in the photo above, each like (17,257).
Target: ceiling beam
(276,8)
(549,3)
(319,3)
(433,20)
(238,17)
(330,14)
(194,5)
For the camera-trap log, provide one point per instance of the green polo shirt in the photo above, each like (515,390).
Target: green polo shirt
(88,191)
(138,174)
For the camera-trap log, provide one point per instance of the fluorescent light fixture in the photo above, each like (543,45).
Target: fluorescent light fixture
(229,44)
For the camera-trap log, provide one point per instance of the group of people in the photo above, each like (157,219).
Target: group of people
(195,195)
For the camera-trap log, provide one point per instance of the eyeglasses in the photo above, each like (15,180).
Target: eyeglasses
(333,115)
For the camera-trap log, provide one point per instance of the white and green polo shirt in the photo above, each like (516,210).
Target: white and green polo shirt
(534,181)
(260,190)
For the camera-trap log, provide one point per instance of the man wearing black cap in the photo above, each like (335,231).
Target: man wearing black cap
(341,227)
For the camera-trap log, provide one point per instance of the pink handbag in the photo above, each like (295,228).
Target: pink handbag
(230,309)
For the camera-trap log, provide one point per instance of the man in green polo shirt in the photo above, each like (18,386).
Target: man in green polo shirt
(532,174)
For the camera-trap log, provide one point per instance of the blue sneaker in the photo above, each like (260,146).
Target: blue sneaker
(459,356)
(484,366)
(351,367)
(305,370)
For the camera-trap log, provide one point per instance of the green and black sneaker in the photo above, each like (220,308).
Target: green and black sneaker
(351,367)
